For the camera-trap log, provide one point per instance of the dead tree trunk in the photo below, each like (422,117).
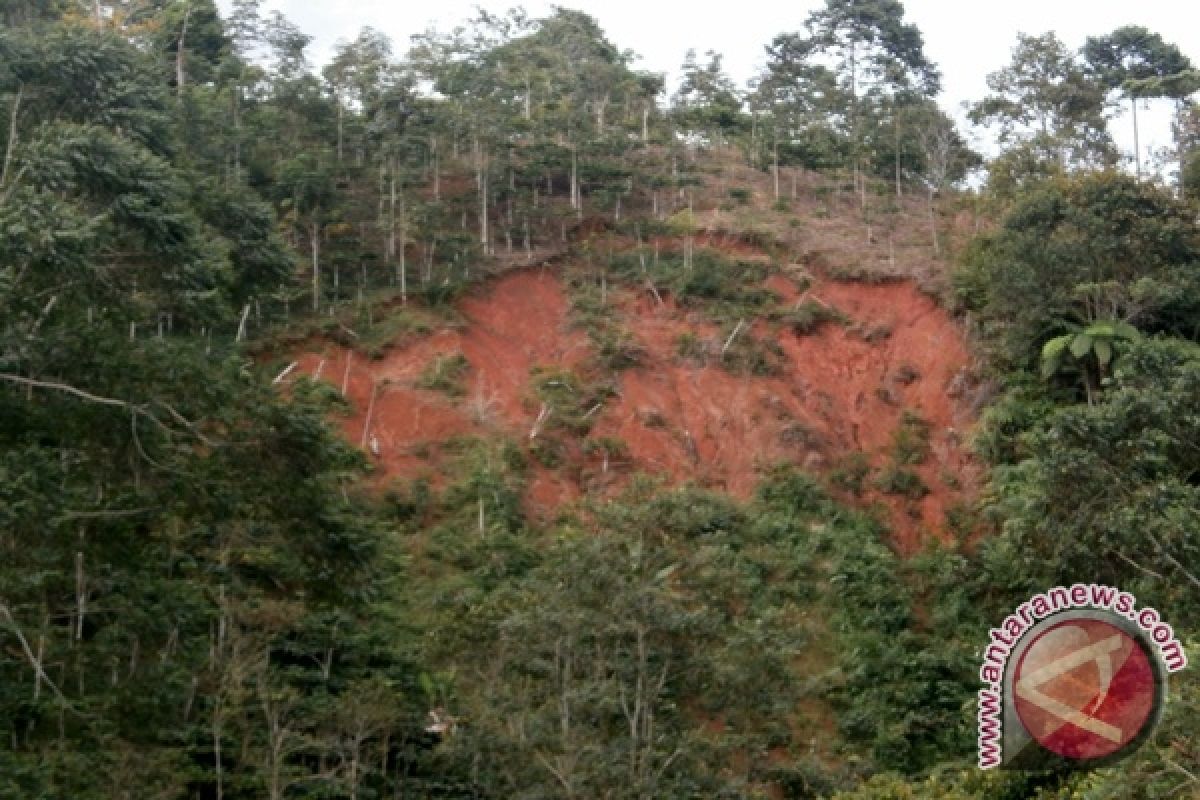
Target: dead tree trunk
(315,244)
(180,75)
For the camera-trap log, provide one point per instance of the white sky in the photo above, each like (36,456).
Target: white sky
(966,38)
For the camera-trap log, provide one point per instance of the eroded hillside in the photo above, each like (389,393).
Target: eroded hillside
(875,398)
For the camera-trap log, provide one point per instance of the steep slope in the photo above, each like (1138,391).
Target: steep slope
(840,390)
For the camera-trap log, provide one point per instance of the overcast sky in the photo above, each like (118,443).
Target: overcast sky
(966,39)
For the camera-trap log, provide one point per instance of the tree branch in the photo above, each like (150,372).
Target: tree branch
(114,513)
(137,410)
(34,662)
(12,134)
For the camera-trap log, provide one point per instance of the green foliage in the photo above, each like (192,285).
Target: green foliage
(1092,350)
(690,347)
(725,289)
(1072,254)
(901,481)
(1132,445)
(910,442)
(221,612)
(1047,102)
(1133,54)
(748,354)
(446,374)
(850,473)
(806,317)
(617,348)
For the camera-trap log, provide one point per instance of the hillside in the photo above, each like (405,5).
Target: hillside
(837,395)
(479,420)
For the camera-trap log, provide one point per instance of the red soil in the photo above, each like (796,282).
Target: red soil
(837,393)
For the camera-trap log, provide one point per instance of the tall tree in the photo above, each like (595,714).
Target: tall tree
(1130,59)
(707,101)
(797,98)
(878,58)
(1046,101)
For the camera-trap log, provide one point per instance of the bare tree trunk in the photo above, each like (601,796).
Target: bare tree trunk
(237,133)
(574,179)
(217,721)
(12,134)
(437,171)
(315,243)
(370,413)
(937,247)
(403,253)
(80,596)
(391,242)
(896,127)
(482,181)
(341,113)
(179,51)
(241,331)
(1137,149)
(775,167)
(601,107)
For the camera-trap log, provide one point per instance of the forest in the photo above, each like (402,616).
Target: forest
(480,416)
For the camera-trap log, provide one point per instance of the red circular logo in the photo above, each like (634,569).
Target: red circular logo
(1084,689)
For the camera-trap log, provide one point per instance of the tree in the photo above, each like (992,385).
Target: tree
(1045,101)
(796,99)
(879,60)
(1136,61)
(707,102)
(1093,348)
(356,77)
(1068,255)
(874,50)
(945,158)
(1113,479)
(307,187)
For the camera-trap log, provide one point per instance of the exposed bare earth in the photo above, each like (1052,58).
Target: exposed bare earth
(839,391)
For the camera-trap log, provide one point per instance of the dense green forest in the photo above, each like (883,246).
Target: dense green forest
(201,596)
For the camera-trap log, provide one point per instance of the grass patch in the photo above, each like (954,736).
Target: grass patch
(446,374)
(691,347)
(897,480)
(725,289)
(569,404)
(749,355)
(616,347)
(850,473)
(910,442)
(548,451)
(808,316)
(740,195)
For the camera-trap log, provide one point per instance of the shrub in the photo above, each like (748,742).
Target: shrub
(808,316)
(445,374)
(740,195)
(910,442)
(897,480)
(850,474)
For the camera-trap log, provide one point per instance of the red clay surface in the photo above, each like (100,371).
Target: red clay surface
(836,394)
